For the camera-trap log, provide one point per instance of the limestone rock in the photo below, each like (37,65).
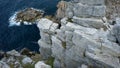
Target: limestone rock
(41,64)
(3,65)
(84,66)
(89,22)
(57,64)
(47,25)
(27,60)
(115,32)
(44,24)
(13,53)
(45,49)
(91,2)
(64,21)
(106,60)
(61,9)
(61,35)
(88,11)
(45,37)
(57,48)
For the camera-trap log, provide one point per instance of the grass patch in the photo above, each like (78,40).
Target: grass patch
(64,44)
(70,20)
(28,65)
(50,61)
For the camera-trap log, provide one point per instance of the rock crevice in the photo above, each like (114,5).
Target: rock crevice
(82,40)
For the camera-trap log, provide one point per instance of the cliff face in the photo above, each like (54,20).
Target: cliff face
(113,9)
(85,38)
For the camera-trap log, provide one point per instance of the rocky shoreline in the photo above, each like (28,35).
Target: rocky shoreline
(80,36)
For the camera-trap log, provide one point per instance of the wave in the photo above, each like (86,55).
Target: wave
(14,22)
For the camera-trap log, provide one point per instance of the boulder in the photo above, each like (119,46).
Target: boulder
(62,5)
(47,25)
(44,24)
(84,66)
(27,60)
(13,53)
(4,65)
(41,64)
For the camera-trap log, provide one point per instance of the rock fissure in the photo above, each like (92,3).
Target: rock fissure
(85,38)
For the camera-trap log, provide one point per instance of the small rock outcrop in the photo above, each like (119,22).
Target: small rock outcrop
(41,64)
(47,28)
(61,9)
(27,60)
(83,38)
(29,15)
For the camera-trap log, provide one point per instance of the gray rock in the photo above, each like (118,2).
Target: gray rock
(99,11)
(111,36)
(84,66)
(89,22)
(41,64)
(13,53)
(104,59)
(27,60)
(44,24)
(45,37)
(57,64)
(53,28)
(17,65)
(64,21)
(11,59)
(45,49)
(47,26)
(82,10)
(62,5)
(4,65)
(116,32)
(88,11)
(69,42)
(57,48)
(117,20)
(91,2)
(61,35)
(69,10)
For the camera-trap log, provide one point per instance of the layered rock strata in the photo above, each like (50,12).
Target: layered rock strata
(83,38)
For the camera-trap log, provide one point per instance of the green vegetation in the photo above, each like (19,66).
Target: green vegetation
(50,61)
(28,65)
(64,44)
(70,20)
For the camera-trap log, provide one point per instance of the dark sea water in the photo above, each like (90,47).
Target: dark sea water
(18,37)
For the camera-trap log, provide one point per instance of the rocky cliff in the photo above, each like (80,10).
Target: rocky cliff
(85,39)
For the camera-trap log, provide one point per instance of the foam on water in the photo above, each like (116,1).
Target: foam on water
(14,22)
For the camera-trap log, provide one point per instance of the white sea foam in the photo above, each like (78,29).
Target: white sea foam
(13,22)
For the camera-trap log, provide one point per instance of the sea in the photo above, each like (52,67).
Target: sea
(23,36)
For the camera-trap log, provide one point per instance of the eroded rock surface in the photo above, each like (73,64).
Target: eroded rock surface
(84,39)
